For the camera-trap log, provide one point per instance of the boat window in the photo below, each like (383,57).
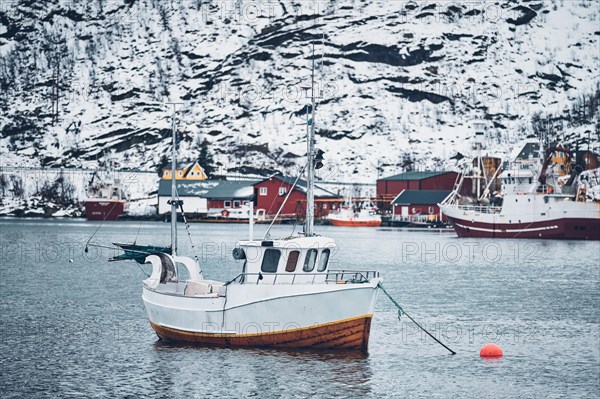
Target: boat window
(323,260)
(309,260)
(282,191)
(227,204)
(236,204)
(270,261)
(292,261)
(263,191)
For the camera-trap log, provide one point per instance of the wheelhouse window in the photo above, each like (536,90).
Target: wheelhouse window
(263,191)
(323,260)
(309,261)
(270,261)
(227,204)
(236,204)
(292,261)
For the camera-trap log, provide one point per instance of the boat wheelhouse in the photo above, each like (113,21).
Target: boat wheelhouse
(521,177)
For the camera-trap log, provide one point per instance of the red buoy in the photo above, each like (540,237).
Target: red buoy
(491,350)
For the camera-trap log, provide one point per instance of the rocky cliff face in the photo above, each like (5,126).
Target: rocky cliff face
(399,82)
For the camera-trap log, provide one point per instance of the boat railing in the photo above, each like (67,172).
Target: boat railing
(480,209)
(430,218)
(329,277)
(351,275)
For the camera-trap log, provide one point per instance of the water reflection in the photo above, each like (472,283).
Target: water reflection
(263,372)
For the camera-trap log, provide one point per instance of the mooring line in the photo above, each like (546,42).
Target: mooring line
(401,311)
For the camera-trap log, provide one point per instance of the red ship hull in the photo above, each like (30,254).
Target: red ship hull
(104,209)
(567,229)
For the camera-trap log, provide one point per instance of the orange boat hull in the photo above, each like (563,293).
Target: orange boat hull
(344,334)
(356,223)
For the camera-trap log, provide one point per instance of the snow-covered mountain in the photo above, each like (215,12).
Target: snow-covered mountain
(399,80)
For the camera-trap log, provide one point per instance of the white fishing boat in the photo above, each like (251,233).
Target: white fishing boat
(286,294)
(349,217)
(355,214)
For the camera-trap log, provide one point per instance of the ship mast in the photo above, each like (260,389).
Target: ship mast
(310,194)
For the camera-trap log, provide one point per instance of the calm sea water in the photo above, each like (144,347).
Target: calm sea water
(73,325)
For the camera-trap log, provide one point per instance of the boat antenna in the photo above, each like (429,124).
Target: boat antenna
(174,202)
(310,194)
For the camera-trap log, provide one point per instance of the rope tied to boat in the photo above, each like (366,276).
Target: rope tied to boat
(401,312)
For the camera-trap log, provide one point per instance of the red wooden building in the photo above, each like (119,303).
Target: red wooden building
(270,193)
(429,180)
(230,194)
(389,187)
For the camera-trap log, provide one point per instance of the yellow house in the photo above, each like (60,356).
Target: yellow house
(192,171)
(561,159)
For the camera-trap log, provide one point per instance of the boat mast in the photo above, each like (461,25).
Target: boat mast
(310,194)
(174,201)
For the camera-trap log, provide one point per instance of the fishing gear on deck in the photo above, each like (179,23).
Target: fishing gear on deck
(403,312)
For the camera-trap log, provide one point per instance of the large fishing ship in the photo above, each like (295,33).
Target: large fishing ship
(106,199)
(545,194)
